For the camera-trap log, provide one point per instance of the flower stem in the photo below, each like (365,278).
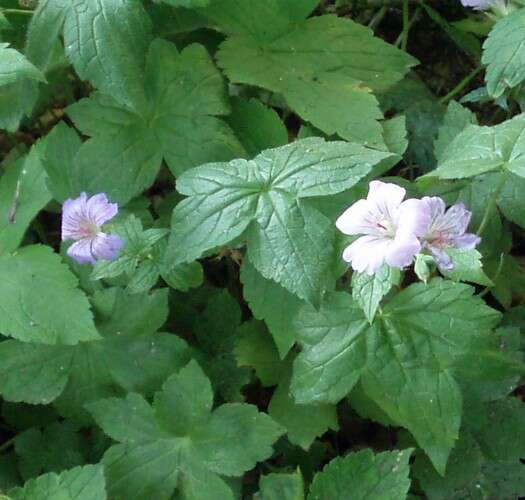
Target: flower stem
(460,86)
(406,26)
(492,202)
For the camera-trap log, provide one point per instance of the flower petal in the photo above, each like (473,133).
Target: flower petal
(414,218)
(81,251)
(466,241)
(442,258)
(107,246)
(385,198)
(367,254)
(73,216)
(436,206)
(402,250)
(99,210)
(356,219)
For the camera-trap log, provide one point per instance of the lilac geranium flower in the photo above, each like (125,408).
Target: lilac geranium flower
(477,4)
(484,4)
(389,225)
(82,220)
(447,229)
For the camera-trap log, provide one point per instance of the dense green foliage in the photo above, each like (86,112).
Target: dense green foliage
(227,351)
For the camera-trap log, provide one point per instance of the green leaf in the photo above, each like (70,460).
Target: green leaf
(281,487)
(456,119)
(467,267)
(257,126)
(291,244)
(217,331)
(331,87)
(395,134)
(40,299)
(463,469)
(183,276)
(184,91)
(502,54)
(367,291)
(44,30)
(426,331)
(179,438)
(33,373)
(498,428)
(406,359)
(287,240)
(130,356)
(23,193)
(303,423)
(14,67)
(187,94)
(333,356)
(80,483)
(272,303)
(106,41)
(254,348)
(367,476)
(57,447)
(62,144)
(190,4)
(477,150)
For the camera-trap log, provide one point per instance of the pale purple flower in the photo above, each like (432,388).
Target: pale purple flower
(390,226)
(484,4)
(447,229)
(82,220)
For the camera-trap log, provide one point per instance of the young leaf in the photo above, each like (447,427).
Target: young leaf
(330,88)
(186,444)
(287,239)
(40,299)
(364,476)
(367,291)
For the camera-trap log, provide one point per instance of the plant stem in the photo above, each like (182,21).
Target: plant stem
(374,23)
(406,26)
(5,446)
(496,276)
(460,86)
(17,11)
(492,203)
(415,17)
